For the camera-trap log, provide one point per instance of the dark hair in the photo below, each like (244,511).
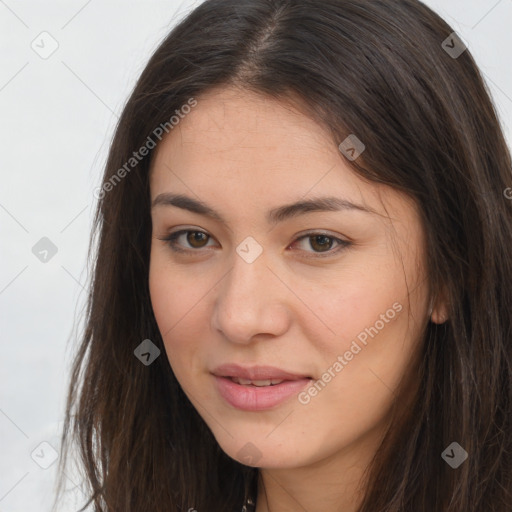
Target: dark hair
(377,69)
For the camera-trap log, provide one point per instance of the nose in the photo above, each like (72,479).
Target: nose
(251,301)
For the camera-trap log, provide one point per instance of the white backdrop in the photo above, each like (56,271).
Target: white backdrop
(66,70)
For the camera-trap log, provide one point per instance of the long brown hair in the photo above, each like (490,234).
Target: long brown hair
(377,69)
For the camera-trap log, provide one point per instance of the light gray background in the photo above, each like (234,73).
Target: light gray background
(57,119)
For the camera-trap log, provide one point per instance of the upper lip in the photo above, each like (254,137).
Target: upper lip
(256,372)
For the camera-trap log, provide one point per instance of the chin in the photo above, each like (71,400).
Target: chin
(261,451)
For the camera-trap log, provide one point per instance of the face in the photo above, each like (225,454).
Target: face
(329,299)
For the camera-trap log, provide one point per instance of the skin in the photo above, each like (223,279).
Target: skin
(244,154)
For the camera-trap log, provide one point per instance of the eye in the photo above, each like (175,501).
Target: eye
(319,242)
(322,243)
(195,238)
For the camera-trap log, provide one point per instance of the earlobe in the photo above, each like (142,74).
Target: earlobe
(438,313)
(439,316)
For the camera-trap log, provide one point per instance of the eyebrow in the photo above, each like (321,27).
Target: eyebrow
(274,216)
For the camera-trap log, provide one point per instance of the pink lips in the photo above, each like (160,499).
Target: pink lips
(253,398)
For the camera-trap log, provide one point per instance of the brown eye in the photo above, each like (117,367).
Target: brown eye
(187,240)
(196,238)
(321,242)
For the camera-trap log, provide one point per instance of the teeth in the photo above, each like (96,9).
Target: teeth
(259,383)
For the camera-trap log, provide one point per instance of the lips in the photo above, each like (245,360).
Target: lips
(257,373)
(257,388)
(257,383)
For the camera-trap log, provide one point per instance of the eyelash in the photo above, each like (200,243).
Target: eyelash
(171,242)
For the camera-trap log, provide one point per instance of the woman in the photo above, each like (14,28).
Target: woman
(303,283)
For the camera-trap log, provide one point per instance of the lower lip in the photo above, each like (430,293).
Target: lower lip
(253,398)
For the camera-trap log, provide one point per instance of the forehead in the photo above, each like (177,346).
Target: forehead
(238,135)
(230,124)
(236,145)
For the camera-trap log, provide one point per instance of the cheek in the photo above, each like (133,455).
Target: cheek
(355,390)
(162,289)
(180,302)
(171,300)
(174,293)
(352,305)
(368,345)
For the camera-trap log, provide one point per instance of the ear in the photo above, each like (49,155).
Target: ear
(439,309)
